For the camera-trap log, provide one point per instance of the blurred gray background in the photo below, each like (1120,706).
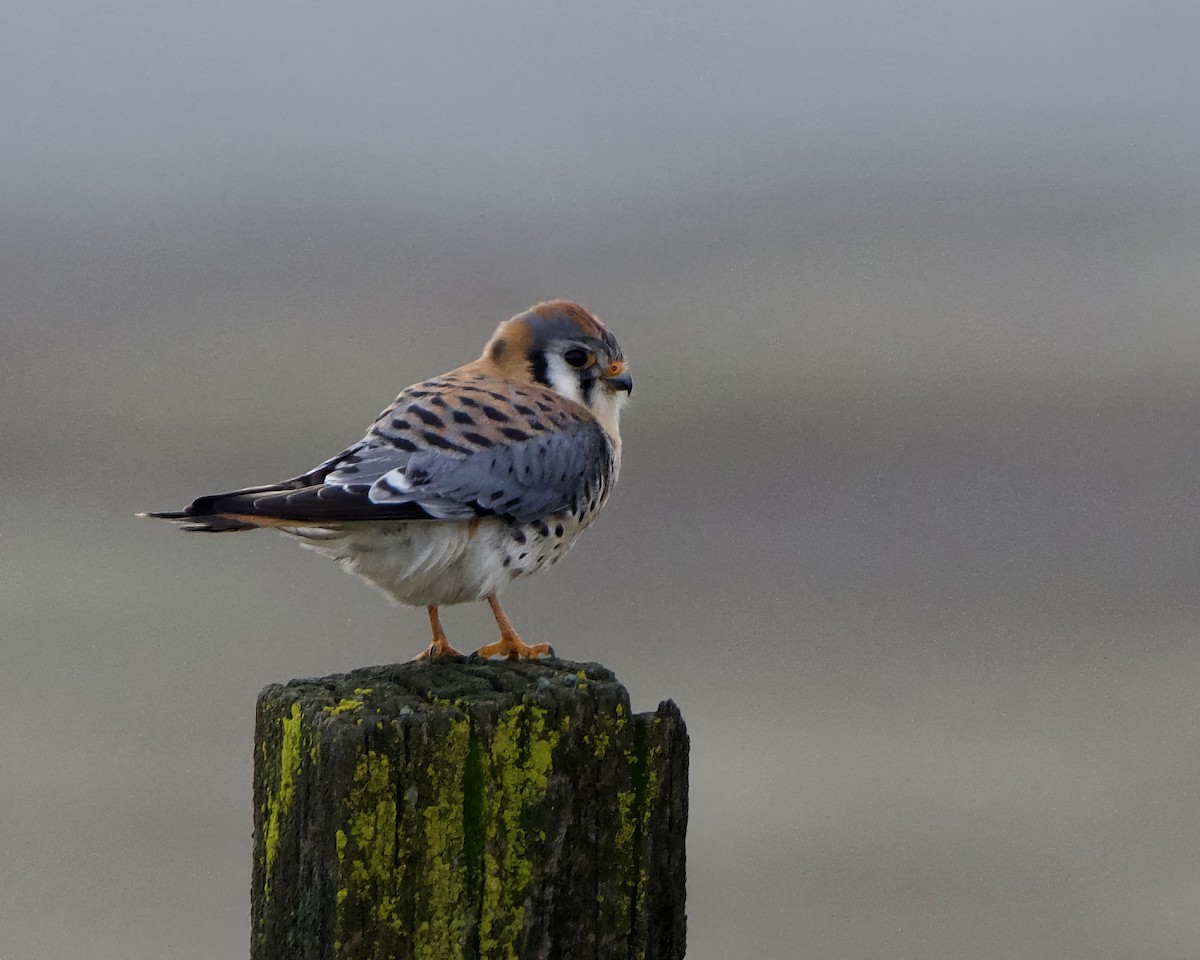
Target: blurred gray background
(908,519)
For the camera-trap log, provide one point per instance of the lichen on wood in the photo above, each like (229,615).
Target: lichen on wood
(455,811)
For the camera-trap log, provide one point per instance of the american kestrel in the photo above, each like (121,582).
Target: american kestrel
(466,481)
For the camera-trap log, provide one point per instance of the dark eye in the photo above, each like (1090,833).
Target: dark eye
(576,357)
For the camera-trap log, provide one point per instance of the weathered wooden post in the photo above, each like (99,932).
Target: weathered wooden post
(454,811)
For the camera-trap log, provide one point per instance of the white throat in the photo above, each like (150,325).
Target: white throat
(605,404)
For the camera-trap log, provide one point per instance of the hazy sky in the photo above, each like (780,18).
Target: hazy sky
(121,100)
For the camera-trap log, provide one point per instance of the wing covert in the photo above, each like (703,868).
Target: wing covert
(454,448)
(521,480)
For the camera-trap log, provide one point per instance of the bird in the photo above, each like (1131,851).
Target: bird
(466,481)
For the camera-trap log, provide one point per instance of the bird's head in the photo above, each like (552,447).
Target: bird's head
(565,347)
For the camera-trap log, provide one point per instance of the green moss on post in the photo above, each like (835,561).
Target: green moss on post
(467,811)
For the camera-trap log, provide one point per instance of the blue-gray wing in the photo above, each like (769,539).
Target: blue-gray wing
(520,479)
(448,449)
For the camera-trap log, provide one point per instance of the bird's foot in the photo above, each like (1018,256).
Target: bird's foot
(439,651)
(514,648)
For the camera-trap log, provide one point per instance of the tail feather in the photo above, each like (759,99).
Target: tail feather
(212,524)
(205,514)
(229,512)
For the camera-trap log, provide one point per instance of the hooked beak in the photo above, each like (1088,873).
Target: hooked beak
(617,378)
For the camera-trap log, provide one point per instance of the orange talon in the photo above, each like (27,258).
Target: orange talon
(440,648)
(510,645)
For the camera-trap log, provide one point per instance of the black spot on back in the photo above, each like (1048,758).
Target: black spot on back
(478,439)
(463,417)
(435,440)
(427,416)
(514,434)
(399,423)
(438,401)
(403,443)
(493,414)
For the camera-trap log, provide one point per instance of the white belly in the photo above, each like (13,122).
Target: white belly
(440,562)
